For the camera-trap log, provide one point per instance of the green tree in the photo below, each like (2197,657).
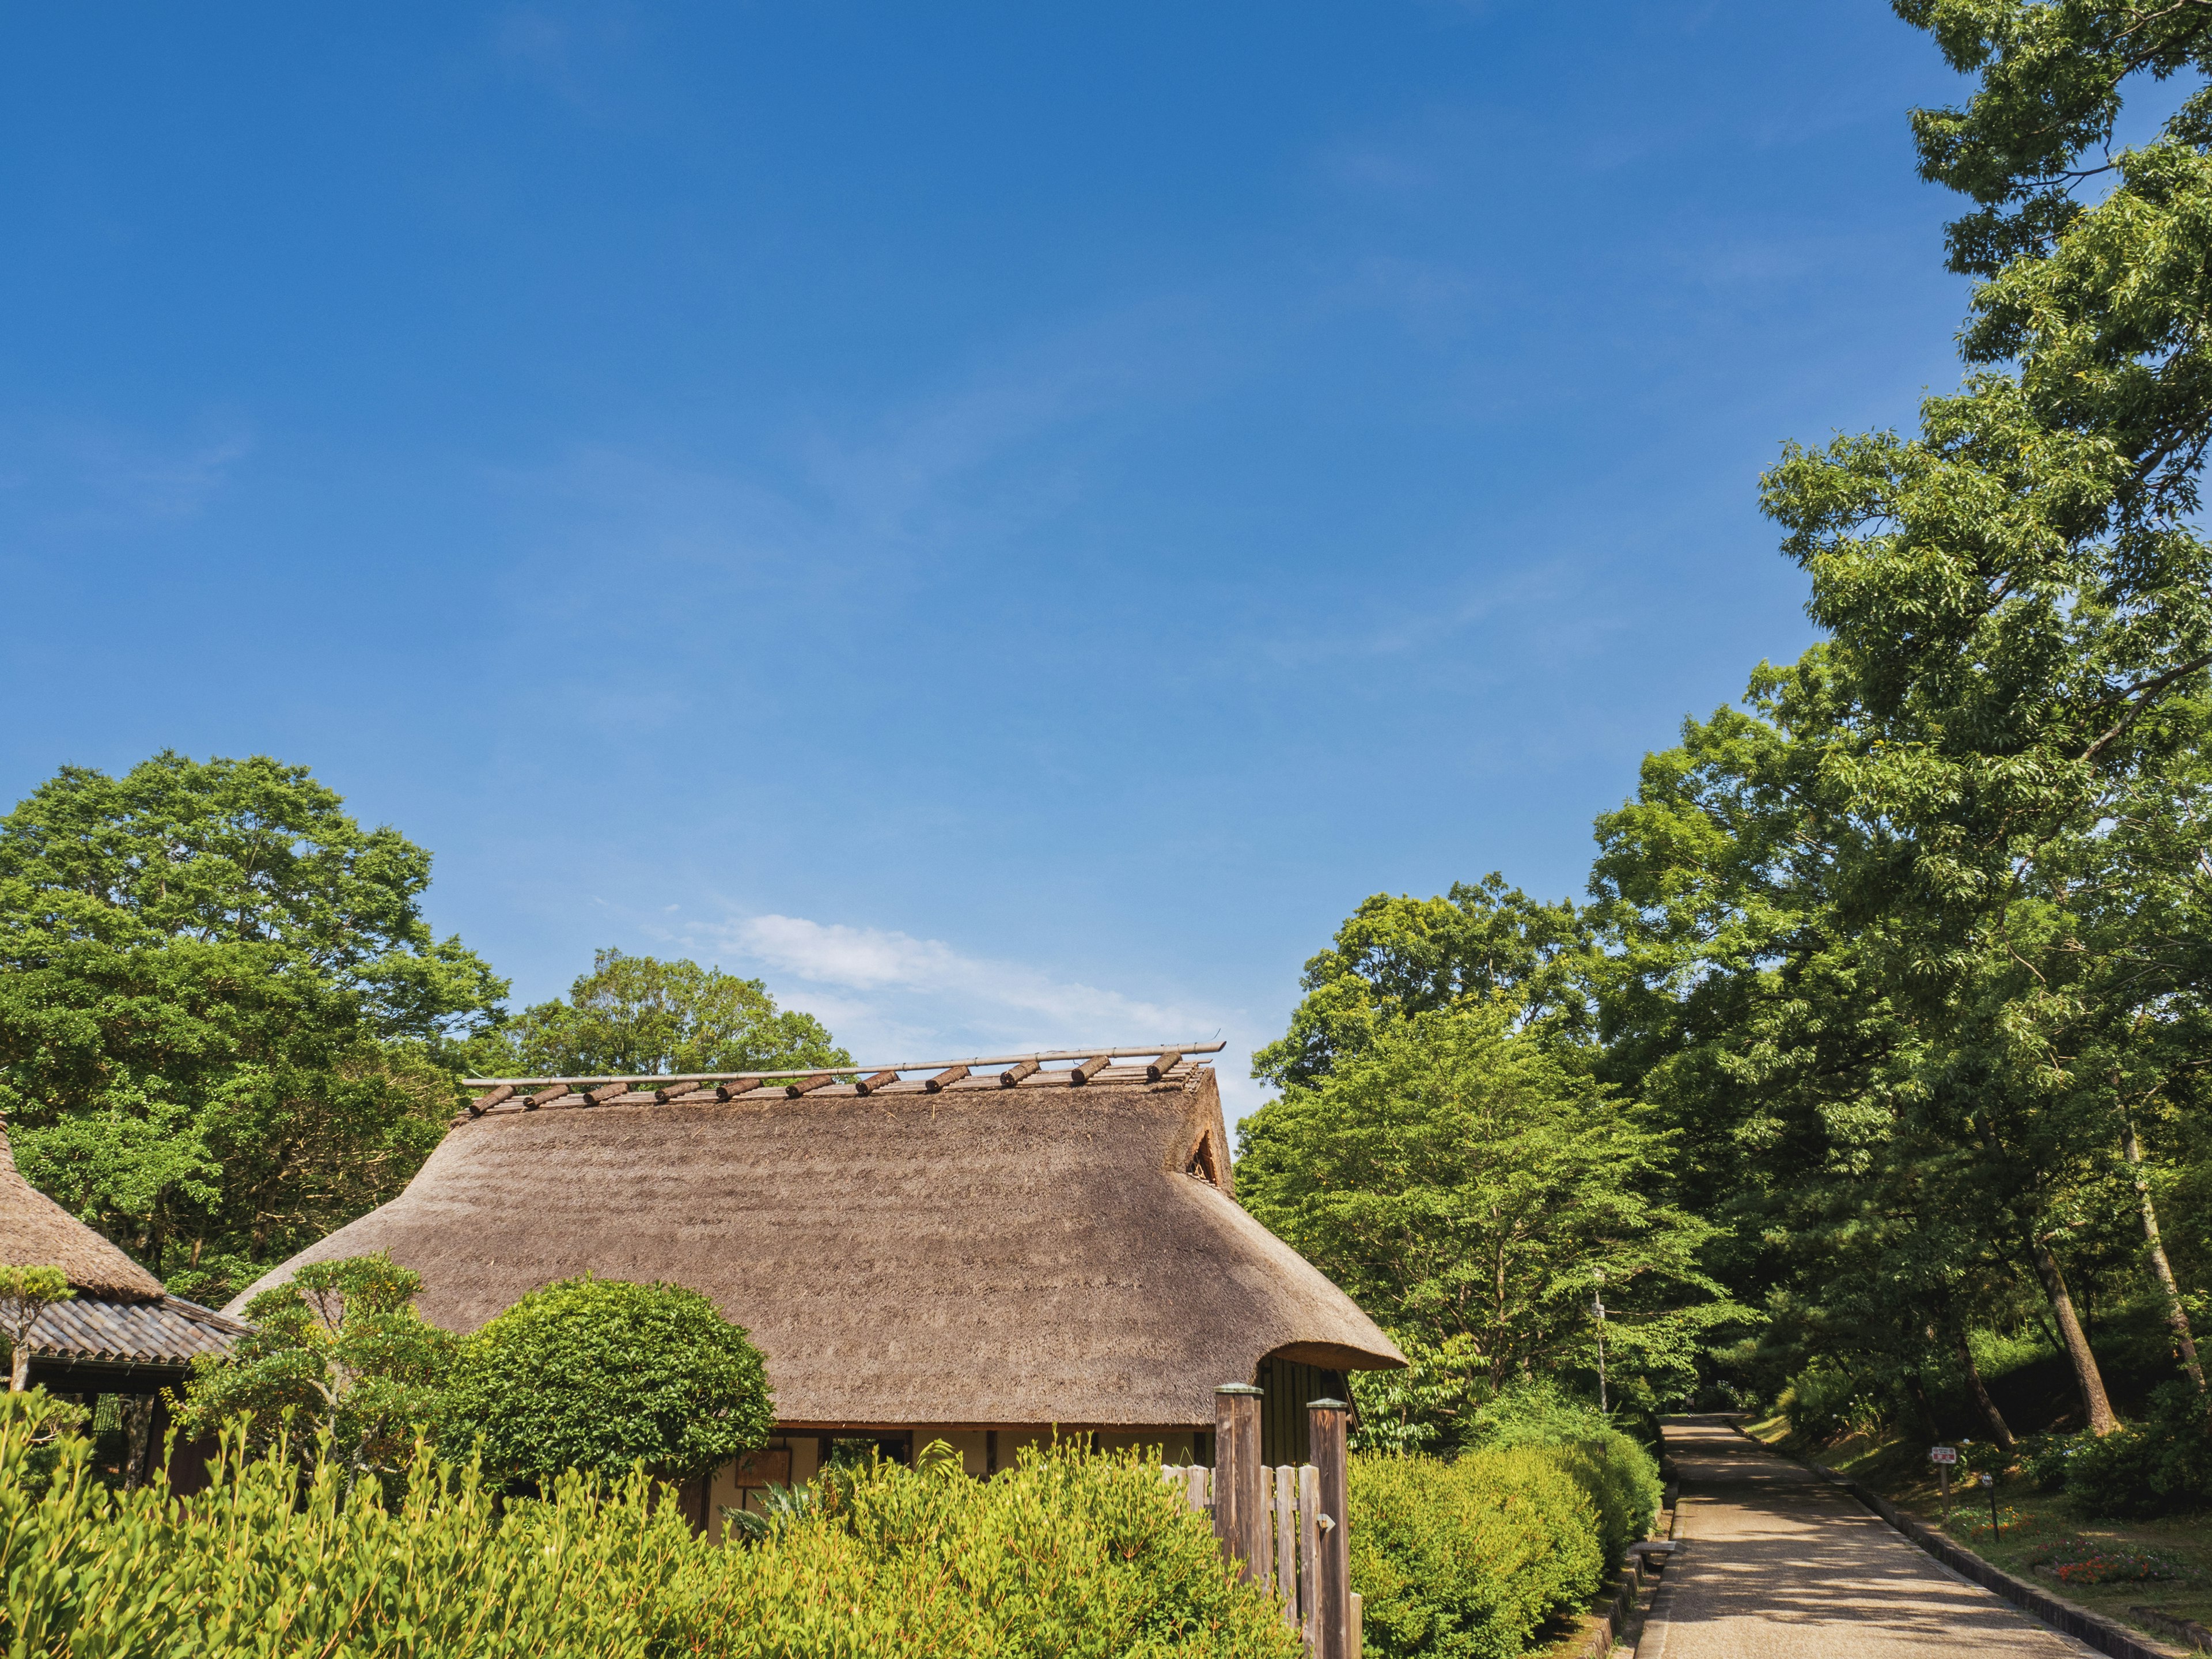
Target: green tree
(25,1294)
(337,1349)
(1396,957)
(1473,1191)
(224,1026)
(597,1374)
(1919,936)
(634,1016)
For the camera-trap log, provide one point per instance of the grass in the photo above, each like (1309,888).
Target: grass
(2035,1530)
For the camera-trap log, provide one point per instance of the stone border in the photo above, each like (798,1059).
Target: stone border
(2187,1629)
(1620,1627)
(2077,1621)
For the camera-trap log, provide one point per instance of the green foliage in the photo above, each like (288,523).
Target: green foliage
(1823,1402)
(49,1426)
(1396,957)
(634,1016)
(25,1293)
(1087,1558)
(1621,1480)
(596,1374)
(339,1350)
(1534,1412)
(1620,1477)
(1430,1405)
(1465,1559)
(2160,1466)
(225,1027)
(1465,1186)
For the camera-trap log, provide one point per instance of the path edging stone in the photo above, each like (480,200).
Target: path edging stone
(2078,1622)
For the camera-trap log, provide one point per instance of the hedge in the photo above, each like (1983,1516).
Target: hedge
(1468,1559)
(1069,1554)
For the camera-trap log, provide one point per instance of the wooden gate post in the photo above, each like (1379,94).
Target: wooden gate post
(1239,1511)
(1329,1635)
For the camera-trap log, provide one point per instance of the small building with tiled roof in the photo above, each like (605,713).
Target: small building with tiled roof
(120,1334)
(984,1251)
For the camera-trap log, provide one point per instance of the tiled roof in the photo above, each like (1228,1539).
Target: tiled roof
(171,1331)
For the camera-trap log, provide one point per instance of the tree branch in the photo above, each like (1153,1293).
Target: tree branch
(2139,697)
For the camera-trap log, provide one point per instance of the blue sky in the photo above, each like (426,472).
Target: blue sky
(1006,521)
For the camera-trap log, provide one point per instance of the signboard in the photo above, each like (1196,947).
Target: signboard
(1943,1454)
(762,1469)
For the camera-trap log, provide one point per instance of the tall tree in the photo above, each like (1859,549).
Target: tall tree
(224,1026)
(1395,958)
(633,1016)
(1475,1192)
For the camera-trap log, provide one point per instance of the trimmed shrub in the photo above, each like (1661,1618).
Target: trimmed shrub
(1071,1555)
(1467,1559)
(1620,1477)
(1622,1482)
(598,1374)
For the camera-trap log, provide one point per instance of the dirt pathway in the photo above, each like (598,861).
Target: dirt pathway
(1780,1562)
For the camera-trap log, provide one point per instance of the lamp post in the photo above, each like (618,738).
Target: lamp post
(1597,1307)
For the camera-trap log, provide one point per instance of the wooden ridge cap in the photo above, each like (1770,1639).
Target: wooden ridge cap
(583,1084)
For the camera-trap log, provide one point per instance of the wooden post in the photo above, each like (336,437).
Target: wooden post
(1286,1543)
(1308,1551)
(1236,1503)
(1326,1421)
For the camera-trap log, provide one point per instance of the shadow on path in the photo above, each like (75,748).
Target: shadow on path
(1778,1562)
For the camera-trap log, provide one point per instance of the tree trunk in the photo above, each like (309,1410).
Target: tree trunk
(138,1425)
(2177,1316)
(1998,1428)
(2087,1376)
(19,1373)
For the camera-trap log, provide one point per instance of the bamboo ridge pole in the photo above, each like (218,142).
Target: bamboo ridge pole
(1172,1052)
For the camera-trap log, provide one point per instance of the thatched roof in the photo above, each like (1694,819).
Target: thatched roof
(992,1254)
(36,1232)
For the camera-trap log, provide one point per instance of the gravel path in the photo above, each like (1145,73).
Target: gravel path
(1780,1562)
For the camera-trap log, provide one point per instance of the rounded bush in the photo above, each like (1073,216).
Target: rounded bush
(597,1374)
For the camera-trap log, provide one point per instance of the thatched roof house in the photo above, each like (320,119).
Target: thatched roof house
(992,1250)
(121,1333)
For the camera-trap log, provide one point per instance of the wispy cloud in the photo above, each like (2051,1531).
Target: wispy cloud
(1008,994)
(889,995)
(105,475)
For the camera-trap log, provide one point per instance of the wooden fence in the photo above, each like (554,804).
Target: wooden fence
(1285,1526)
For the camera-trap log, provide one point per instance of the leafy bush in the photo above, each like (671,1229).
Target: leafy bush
(1824,1403)
(1069,1554)
(598,1374)
(2160,1466)
(339,1346)
(2045,1458)
(1620,1477)
(1533,1413)
(1621,1480)
(1465,1559)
